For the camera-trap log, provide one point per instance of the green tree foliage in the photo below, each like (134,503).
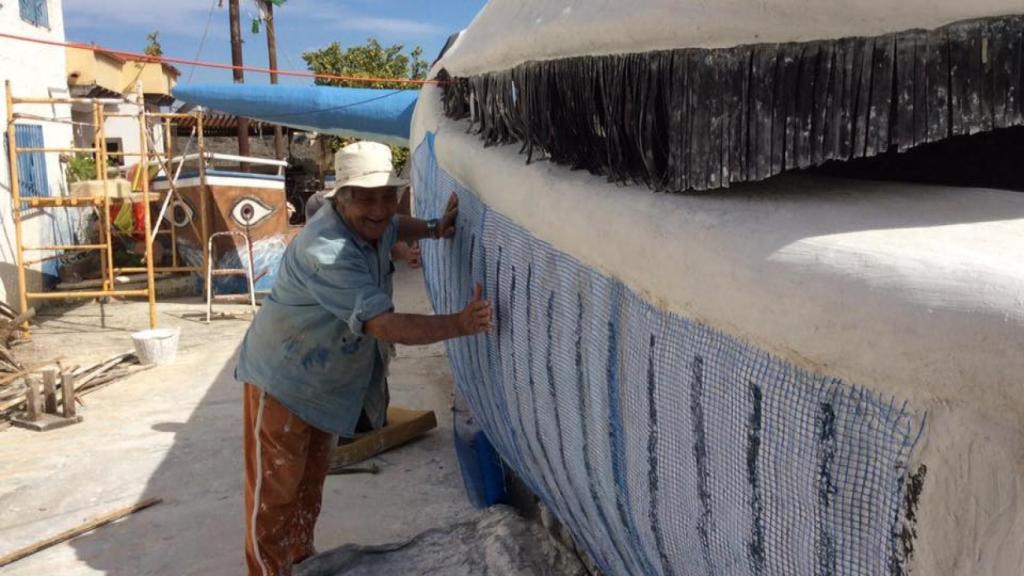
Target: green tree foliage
(153,47)
(370,60)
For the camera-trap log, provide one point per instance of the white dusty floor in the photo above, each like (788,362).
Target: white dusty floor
(174,432)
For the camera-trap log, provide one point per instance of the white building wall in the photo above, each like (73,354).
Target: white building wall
(124,129)
(35,70)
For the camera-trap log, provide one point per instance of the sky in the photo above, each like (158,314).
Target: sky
(198,29)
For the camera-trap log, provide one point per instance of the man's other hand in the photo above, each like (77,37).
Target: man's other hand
(476,316)
(446,227)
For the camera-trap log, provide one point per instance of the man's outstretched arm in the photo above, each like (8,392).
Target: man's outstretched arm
(416,329)
(413,229)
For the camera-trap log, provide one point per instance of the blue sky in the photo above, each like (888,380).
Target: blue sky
(302,25)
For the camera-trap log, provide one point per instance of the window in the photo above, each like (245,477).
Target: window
(34,12)
(114,146)
(31,165)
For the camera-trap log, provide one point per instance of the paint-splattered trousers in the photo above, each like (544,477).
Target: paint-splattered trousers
(286,462)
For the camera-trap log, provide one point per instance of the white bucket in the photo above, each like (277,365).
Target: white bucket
(158,346)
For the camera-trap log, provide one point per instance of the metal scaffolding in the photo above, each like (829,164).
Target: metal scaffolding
(101,203)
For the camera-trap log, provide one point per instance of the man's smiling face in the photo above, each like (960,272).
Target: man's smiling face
(369,210)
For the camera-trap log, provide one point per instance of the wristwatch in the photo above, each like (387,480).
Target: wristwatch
(432,228)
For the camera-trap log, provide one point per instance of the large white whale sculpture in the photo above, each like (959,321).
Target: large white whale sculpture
(801,374)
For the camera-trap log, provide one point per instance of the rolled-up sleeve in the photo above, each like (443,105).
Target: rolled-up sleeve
(348,290)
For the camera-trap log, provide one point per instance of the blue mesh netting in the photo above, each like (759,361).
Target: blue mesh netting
(667,447)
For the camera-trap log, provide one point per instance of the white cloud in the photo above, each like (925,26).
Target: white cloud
(386,25)
(331,14)
(181,17)
(188,17)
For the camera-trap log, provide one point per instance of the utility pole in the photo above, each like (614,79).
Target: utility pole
(239,75)
(272,57)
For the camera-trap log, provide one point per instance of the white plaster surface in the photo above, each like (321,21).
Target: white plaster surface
(508,32)
(38,71)
(909,290)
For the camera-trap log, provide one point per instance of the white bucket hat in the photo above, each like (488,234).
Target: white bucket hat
(364,165)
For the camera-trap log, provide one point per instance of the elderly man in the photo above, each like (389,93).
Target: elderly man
(315,358)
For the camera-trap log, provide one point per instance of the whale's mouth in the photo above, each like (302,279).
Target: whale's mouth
(699,119)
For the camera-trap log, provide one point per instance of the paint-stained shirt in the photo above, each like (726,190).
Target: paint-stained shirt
(306,347)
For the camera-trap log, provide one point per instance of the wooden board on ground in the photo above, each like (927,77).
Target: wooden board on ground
(44,422)
(403,425)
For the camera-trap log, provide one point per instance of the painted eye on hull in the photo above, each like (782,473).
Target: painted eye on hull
(180,213)
(248,212)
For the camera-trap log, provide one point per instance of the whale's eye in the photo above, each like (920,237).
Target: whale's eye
(248,212)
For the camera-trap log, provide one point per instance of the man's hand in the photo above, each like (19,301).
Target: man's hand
(476,316)
(416,329)
(446,226)
(413,257)
(407,252)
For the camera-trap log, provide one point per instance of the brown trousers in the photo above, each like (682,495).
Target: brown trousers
(286,462)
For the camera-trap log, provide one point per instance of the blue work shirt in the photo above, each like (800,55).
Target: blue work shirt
(306,346)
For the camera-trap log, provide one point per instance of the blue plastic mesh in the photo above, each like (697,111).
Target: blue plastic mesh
(667,447)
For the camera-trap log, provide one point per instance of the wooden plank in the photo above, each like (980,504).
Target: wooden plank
(851,91)
(986,80)
(85,376)
(863,91)
(33,402)
(906,74)
(763,88)
(728,102)
(706,144)
(403,425)
(977,111)
(677,151)
(881,95)
(714,109)
(8,378)
(822,104)
(67,394)
(784,112)
(700,124)
(939,96)
(1000,68)
(959,71)
(110,377)
(655,144)
(739,157)
(807,77)
(1014,114)
(50,391)
(836,101)
(921,55)
(78,531)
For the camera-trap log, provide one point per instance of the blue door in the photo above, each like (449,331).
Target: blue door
(34,181)
(32,165)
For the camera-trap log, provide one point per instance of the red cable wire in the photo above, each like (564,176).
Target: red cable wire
(171,60)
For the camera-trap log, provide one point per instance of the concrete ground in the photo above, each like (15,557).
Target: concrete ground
(174,432)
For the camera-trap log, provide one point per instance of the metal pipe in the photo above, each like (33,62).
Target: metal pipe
(105,220)
(65,247)
(147,218)
(55,150)
(68,101)
(58,201)
(12,149)
(84,294)
(137,269)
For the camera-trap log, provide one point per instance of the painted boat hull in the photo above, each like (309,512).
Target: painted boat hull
(234,202)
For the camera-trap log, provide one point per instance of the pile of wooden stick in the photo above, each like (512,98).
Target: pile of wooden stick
(96,376)
(10,321)
(86,379)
